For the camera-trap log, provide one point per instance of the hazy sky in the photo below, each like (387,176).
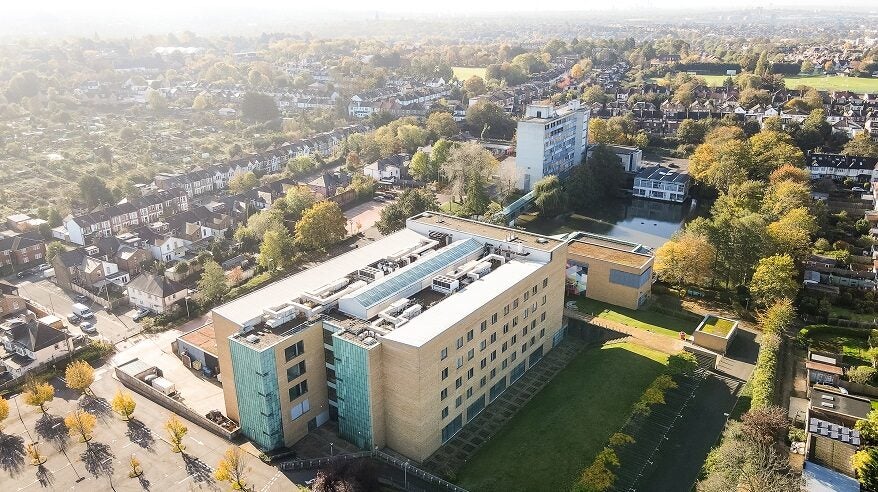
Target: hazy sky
(169,7)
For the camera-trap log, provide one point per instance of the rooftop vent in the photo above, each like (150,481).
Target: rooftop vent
(542,240)
(252,338)
(827,405)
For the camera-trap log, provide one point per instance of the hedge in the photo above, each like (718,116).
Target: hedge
(765,374)
(811,330)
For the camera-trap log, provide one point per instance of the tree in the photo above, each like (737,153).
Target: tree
(441,151)
(136,469)
(79,376)
(33,452)
(487,119)
(682,363)
(4,411)
(80,424)
(320,226)
(232,468)
(441,124)
(94,191)
(774,279)
(772,150)
(301,165)
(576,71)
(476,200)
(868,428)
(411,137)
(468,164)
(411,202)
(260,107)
(549,197)
(862,374)
(789,172)
(597,179)
(691,132)
(599,476)
(688,257)
(38,394)
(53,249)
(276,251)
(594,94)
(243,182)
(784,196)
(156,100)
(861,145)
(176,432)
(474,86)
(865,462)
(721,163)
(422,168)
(124,404)
(765,424)
(201,102)
(212,284)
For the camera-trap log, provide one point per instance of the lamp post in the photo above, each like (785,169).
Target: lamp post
(405,474)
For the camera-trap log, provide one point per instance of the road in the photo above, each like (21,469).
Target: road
(109,325)
(103,463)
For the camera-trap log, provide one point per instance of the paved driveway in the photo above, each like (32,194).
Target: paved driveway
(363,216)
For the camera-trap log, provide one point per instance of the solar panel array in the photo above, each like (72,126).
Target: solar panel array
(834,431)
(390,286)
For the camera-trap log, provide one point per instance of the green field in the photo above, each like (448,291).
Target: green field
(559,432)
(645,318)
(463,73)
(819,82)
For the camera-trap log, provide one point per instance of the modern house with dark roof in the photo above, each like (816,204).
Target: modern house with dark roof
(30,343)
(661,183)
(155,292)
(840,167)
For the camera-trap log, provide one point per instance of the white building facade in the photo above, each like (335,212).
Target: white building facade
(550,140)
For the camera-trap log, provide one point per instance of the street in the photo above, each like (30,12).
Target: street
(103,463)
(42,291)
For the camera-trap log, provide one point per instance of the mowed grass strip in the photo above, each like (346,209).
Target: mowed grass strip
(860,85)
(463,73)
(559,432)
(644,318)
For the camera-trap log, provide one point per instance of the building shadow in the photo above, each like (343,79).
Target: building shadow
(140,434)
(11,453)
(98,459)
(52,428)
(199,470)
(744,347)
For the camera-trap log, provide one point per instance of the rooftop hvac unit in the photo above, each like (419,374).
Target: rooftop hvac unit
(412,311)
(827,405)
(252,338)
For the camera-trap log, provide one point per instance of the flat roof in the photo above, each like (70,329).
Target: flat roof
(841,404)
(446,313)
(203,338)
(248,309)
(607,253)
(659,173)
(821,479)
(488,231)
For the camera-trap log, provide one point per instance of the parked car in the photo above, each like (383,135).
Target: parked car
(73,319)
(81,298)
(82,311)
(378,198)
(44,267)
(140,314)
(88,327)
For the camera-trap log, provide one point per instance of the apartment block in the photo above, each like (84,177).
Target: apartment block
(402,341)
(550,140)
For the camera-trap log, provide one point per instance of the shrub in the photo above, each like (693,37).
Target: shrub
(862,374)
(765,374)
(682,363)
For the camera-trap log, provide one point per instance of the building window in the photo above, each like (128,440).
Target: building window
(506,328)
(458,383)
(493,337)
(443,354)
(471,354)
(504,364)
(504,347)
(515,304)
(515,321)
(445,412)
(526,295)
(444,374)
(494,318)
(295,371)
(470,373)
(298,390)
(493,355)
(469,392)
(294,350)
(459,362)
(483,381)
(443,394)
(506,310)
(469,336)
(543,316)
(483,345)
(542,332)
(460,342)
(298,409)
(458,401)
(484,326)
(544,301)
(534,290)
(493,373)
(514,338)
(483,363)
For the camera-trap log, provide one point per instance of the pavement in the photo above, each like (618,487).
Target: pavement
(111,326)
(103,463)
(364,216)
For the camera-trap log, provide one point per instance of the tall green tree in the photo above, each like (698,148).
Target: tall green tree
(276,250)
(410,203)
(549,197)
(423,168)
(94,191)
(212,285)
(321,225)
(597,179)
(774,279)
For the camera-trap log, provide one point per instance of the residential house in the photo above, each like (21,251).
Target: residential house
(155,292)
(29,344)
(329,184)
(85,267)
(11,303)
(840,167)
(22,249)
(661,183)
(392,168)
(163,244)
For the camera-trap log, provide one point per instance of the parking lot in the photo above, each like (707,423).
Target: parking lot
(103,464)
(364,216)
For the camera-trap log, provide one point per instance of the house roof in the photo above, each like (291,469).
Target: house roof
(664,174)
(34,335)
(72,258)
(155,285)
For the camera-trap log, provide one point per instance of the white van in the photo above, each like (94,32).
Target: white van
(82,311)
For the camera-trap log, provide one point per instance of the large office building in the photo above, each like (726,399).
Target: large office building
(402,341)
(549,140)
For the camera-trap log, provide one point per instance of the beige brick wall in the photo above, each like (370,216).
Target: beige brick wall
(600,288)
(412,375)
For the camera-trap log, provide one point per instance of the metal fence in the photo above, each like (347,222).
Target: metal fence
(405,465)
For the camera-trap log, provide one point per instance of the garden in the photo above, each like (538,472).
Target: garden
(565,426)
(656,317)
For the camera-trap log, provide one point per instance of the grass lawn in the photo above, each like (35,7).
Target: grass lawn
(819,82)
(840,312)
(463,73)
(717,326)
(559,432)
(644,318)
(451,207)
(853,348)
